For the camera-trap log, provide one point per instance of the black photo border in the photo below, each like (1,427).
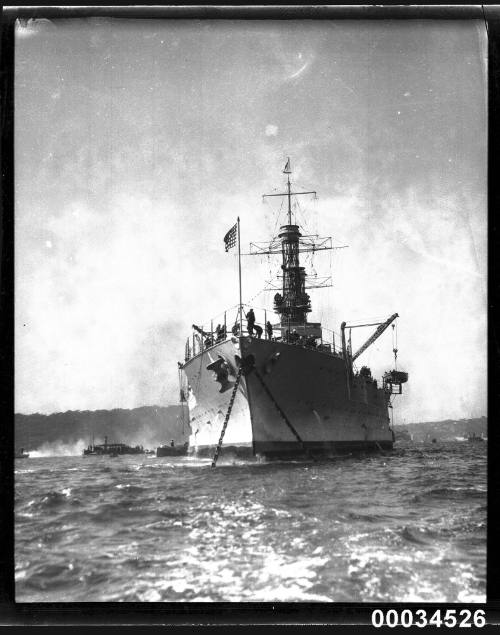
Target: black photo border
(251,614)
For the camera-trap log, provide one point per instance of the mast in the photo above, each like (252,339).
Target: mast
(288,171)
(239,274)
(294,303)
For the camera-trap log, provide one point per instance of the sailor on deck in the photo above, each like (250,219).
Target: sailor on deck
(269,330)
(250,316)
(220,333)
(294,336)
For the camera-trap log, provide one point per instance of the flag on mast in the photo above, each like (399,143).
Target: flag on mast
(230,237)
(287,169)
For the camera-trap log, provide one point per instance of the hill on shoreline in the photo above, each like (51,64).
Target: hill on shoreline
(149,426)
(447,430)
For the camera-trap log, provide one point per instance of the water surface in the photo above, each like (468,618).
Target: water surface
(409,525)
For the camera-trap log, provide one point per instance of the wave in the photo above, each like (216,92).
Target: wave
(51,500)
(177,530)
(449,493)
(418,536)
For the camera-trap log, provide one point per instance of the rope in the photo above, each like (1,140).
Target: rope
(183,399)
(228,414)
(283,415)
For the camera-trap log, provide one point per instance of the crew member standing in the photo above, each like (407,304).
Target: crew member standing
(269,330)
(250,316)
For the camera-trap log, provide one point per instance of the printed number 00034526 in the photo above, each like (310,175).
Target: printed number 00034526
(463,618)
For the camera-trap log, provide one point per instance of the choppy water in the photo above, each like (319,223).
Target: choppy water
(405,526)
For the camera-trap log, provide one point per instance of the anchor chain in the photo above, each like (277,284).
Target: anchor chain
(283,415)
(228,414)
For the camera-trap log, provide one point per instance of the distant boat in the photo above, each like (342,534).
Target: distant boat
(112,449)
(172,450)
(21,454)
(475,438)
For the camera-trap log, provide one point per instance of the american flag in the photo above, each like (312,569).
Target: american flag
(230,237)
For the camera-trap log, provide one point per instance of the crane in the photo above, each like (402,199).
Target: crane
(380,329)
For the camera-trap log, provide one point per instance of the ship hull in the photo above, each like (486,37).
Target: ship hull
(287,391)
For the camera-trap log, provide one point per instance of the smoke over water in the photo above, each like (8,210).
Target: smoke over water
(62,448)
(58,448)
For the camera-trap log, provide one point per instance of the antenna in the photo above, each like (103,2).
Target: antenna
(288,171)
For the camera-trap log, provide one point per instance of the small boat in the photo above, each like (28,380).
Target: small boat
(21,454)
(112,449)
(475,438)
(172,450)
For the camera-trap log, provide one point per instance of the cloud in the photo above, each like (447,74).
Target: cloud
(400,259)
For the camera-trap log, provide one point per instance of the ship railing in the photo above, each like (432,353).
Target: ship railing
(334,340)
(220,328)
(226,325)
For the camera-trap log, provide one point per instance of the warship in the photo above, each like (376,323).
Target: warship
(287,389)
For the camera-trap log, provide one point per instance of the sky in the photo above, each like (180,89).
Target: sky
(139,142)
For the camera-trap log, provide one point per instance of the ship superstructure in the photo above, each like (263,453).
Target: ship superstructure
(284,389)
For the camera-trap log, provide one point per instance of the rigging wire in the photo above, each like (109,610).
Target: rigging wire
(277,216)
(303,217)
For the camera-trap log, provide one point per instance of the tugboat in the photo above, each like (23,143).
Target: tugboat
(284,390)
(111,449)
(475,438)
(172,449)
